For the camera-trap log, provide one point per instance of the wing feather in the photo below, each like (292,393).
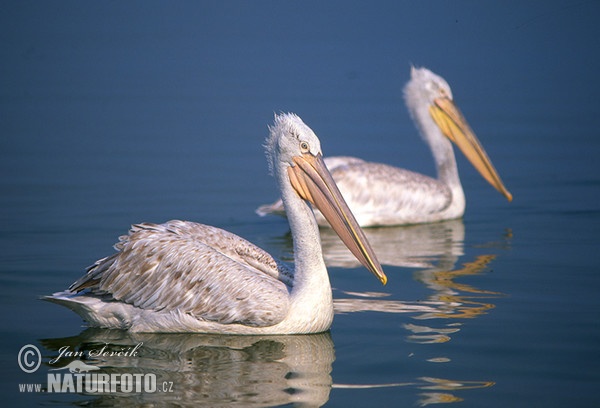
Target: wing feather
(390,191)
(197,269)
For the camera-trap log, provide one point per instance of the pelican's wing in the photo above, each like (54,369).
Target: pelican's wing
(338,162)
(389,190)
(203,271)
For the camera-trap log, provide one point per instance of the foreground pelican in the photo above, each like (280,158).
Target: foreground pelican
(382,195)
(187,277)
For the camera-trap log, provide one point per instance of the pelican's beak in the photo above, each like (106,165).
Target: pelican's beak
(313,182)
(455,127)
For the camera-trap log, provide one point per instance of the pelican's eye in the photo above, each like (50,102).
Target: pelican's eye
(304,147)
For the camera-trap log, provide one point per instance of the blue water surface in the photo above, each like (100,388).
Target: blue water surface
(113,113)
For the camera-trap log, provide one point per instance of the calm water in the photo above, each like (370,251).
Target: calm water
(112,114)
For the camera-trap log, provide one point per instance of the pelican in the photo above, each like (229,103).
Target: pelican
(187,277)
(383,195)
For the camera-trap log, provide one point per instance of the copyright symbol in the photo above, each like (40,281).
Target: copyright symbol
(29,358)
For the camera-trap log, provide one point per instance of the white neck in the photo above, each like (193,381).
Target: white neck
(311,293)
(441,147)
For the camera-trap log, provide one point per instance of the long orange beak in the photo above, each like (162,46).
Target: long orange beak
(455,127)
(313,182)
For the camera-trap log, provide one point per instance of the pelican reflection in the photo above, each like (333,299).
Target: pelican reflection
(413,246)
(449,300)
(434,250)
(208,370)
(461,300)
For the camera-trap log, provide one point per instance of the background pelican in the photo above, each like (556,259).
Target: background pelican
(382,195)
(188,277)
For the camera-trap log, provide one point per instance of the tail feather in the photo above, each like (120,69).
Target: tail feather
(71,300)
(96,310)
(275,208)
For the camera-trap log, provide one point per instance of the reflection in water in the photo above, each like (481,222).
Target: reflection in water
(459,299)
(376,302)
(428,398)
(413,246)
(221,370)
(436,247)
(429,383)
(449,300)
(211,370)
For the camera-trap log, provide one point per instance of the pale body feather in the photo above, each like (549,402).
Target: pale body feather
(381,194)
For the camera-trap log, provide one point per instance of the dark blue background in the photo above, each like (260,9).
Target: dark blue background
(113,113)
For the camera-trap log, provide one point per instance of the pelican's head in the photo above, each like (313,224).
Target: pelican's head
(425,87)
(429,95)
(289,137)
(294,155)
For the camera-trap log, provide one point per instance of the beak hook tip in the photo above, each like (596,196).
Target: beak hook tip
(383,279)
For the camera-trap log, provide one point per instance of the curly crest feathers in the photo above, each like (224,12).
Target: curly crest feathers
(283,123)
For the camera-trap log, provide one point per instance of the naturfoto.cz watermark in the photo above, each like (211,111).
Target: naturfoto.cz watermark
(80,377)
